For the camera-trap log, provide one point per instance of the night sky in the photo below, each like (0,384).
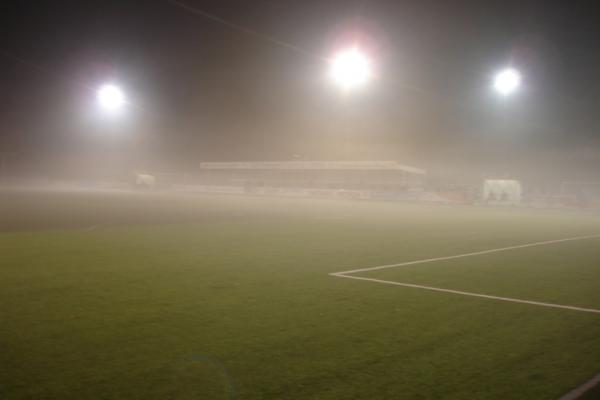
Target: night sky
(255,88)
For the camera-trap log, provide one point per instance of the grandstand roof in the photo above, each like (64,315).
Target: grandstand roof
(313,165)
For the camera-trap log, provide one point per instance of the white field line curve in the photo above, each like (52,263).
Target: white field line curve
(581,390)
(481,295)
(347,274)
(476,253)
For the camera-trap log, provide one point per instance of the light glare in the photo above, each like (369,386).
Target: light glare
(111,97)
(507,81)
(350,68)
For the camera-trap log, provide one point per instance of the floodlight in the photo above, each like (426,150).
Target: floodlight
(507,81)
(350,68)
(110,97)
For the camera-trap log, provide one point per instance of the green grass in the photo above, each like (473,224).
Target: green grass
(222,297)
(564,273)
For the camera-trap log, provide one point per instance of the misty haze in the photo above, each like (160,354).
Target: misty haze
(299,200)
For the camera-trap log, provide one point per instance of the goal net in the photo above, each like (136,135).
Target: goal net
(501,192)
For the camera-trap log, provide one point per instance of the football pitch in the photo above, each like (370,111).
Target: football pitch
(121,295)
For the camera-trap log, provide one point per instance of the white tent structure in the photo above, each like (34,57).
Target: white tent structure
(502,191)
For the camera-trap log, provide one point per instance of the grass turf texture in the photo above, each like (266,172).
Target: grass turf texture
(157,296)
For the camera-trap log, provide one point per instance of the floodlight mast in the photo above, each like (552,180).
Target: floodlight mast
(349,69)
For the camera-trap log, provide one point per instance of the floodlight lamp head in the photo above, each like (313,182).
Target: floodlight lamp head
(111,97)
(350,68)
(507,81)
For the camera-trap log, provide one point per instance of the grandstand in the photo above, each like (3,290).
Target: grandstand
(363,179)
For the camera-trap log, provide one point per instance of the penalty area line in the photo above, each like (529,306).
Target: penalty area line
(460,292)
(583,389)
(476,253)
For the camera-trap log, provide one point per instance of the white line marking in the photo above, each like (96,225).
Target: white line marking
(581,390)
(485,296)
(346,274)
(476,253)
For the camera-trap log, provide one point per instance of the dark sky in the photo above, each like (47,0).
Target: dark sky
(201,90)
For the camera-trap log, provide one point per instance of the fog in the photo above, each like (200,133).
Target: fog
(251,84)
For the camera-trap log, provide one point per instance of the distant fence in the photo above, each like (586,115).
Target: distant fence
(416,196)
